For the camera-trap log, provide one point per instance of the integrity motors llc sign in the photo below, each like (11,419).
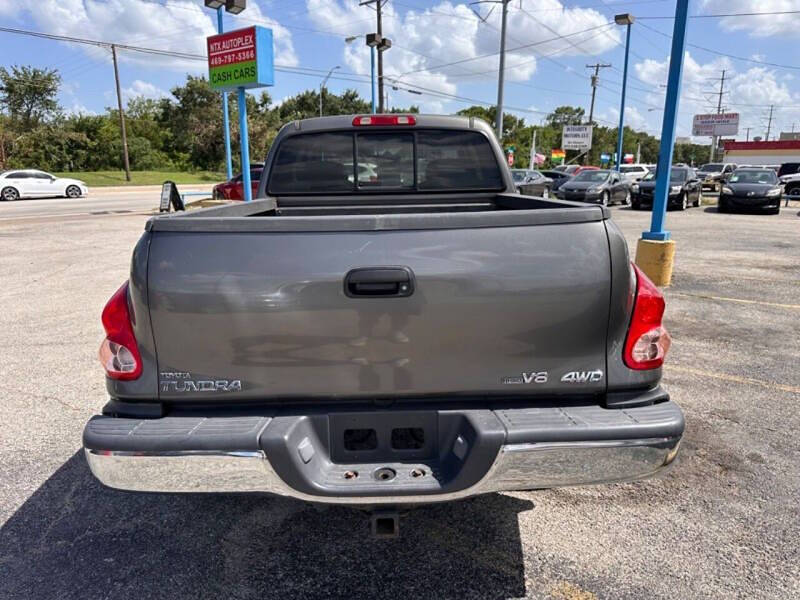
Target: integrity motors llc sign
(241,59)
(576,137)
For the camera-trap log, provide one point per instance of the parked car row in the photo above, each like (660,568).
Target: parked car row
(744,188)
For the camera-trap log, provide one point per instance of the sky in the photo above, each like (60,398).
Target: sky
(447,50)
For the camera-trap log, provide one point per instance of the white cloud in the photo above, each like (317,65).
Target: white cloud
(79,109)
(178,25)
(143,88)
(8,8)
(756,25)
(748,92)
(428,40)
(633,118)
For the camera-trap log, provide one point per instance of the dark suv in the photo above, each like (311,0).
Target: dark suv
(684,189)
(789,168)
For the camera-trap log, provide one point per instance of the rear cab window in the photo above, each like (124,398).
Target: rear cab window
(384,161)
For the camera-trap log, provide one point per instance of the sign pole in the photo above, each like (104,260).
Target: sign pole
(245,142)
(225,119)
(655,251)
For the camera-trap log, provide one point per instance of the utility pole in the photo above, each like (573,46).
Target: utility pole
(121,116)
(500,75)
(595,80)
(769,123)
(719,110)
(747,129)
(533,150)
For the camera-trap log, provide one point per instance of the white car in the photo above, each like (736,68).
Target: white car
(30,183)
(633,173)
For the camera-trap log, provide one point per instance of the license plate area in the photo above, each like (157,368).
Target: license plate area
(382,437)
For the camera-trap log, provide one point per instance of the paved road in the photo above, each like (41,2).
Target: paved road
(722,524)
(99,202)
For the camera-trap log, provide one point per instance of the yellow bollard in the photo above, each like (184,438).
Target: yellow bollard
(656,258)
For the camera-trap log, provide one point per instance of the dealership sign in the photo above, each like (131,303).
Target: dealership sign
(576,137)
(715,124)
(241,59)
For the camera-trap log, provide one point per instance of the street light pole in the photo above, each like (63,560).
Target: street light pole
(322,87)
(372,75)
(627,20)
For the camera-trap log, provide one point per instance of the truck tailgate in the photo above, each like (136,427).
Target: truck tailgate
(515,310)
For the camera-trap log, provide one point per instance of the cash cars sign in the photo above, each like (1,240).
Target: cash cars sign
(241,59)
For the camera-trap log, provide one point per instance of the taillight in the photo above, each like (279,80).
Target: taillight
(647,342)
(384,120)
(119,353)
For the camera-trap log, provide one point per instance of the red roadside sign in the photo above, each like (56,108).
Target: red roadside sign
(241,58)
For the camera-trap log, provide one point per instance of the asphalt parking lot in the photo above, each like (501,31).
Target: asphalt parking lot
(723,523)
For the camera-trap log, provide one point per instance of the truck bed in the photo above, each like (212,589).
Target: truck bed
(365,213)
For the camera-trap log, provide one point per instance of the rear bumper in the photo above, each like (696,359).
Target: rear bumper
(647,199)
(750,202)
(469,452)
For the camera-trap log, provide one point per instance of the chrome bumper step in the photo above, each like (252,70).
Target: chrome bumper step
(473,452)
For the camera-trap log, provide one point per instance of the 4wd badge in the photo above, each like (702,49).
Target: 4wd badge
(582,376)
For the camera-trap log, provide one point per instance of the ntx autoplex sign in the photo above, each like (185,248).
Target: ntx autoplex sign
(241,59)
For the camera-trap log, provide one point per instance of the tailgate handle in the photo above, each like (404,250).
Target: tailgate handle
(377,282)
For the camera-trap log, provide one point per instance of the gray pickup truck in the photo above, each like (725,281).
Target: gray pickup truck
(389,323)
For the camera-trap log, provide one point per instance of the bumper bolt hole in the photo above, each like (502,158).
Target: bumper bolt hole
(385,474)
(418,472)
(350,474)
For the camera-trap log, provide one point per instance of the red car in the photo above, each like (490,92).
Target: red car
(233,188)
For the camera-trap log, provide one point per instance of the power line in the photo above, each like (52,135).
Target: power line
(733,56)
(724,15)
(530,45)
(297,71)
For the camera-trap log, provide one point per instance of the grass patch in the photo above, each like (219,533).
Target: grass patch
(107,178)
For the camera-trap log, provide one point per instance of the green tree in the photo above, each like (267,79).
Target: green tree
(194,122)
(565,115)
(29,94)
